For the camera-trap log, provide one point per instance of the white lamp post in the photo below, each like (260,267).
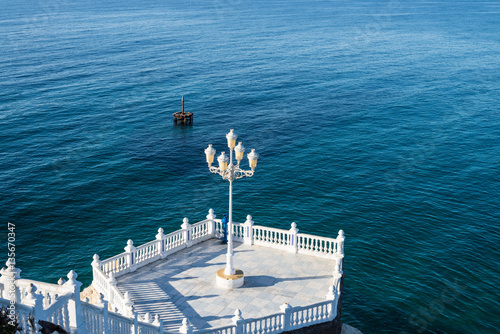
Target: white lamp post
(230,277)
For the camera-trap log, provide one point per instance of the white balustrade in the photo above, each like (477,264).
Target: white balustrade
(100,320)
(146,253)
(290,318)
(119,324)
(165,244)
(23,313)
(48,290)
(116,264)
(269,324)
(238,232)
(219,231)
(219,330)
(270,237)
(58,312)
(312,314)
(317,246)
(173,242)
(201,231)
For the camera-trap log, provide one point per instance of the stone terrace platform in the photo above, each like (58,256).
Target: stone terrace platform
(183,284)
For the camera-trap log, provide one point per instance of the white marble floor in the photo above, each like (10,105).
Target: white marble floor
(183,285)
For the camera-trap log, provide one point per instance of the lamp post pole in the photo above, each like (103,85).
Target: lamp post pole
(229,256)
(230,277)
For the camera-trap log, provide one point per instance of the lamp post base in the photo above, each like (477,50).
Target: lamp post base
(230,281)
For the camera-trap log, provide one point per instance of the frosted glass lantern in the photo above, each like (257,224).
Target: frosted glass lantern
(222,159)
(210,152)
(252,159)
(231,139)
(238,151)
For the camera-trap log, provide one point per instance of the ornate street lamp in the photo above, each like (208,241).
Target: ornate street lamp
(229,277)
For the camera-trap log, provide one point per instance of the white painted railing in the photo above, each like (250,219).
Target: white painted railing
(270,237)
(248,233)
(312,314)
(173,242)
(60,304)
(269,324)
(318,246)
(238,232)
(219,330)
(202,231)
(22,313)
(107,286)
(219,231)
(100,320)
(56,303)
(146,253)
(115,264)
(290,318)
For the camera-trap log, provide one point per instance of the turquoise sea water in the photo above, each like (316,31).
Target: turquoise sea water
(380,118)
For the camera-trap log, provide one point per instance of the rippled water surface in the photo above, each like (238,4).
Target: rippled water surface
(376,117)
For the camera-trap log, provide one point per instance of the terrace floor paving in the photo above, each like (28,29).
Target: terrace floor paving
(183,284)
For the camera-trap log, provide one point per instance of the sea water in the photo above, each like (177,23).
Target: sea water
(379,118)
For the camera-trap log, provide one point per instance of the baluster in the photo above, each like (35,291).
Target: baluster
(59,317)
(90,321)
(65,317)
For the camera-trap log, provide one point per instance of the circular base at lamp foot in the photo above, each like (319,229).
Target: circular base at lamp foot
(230,281)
